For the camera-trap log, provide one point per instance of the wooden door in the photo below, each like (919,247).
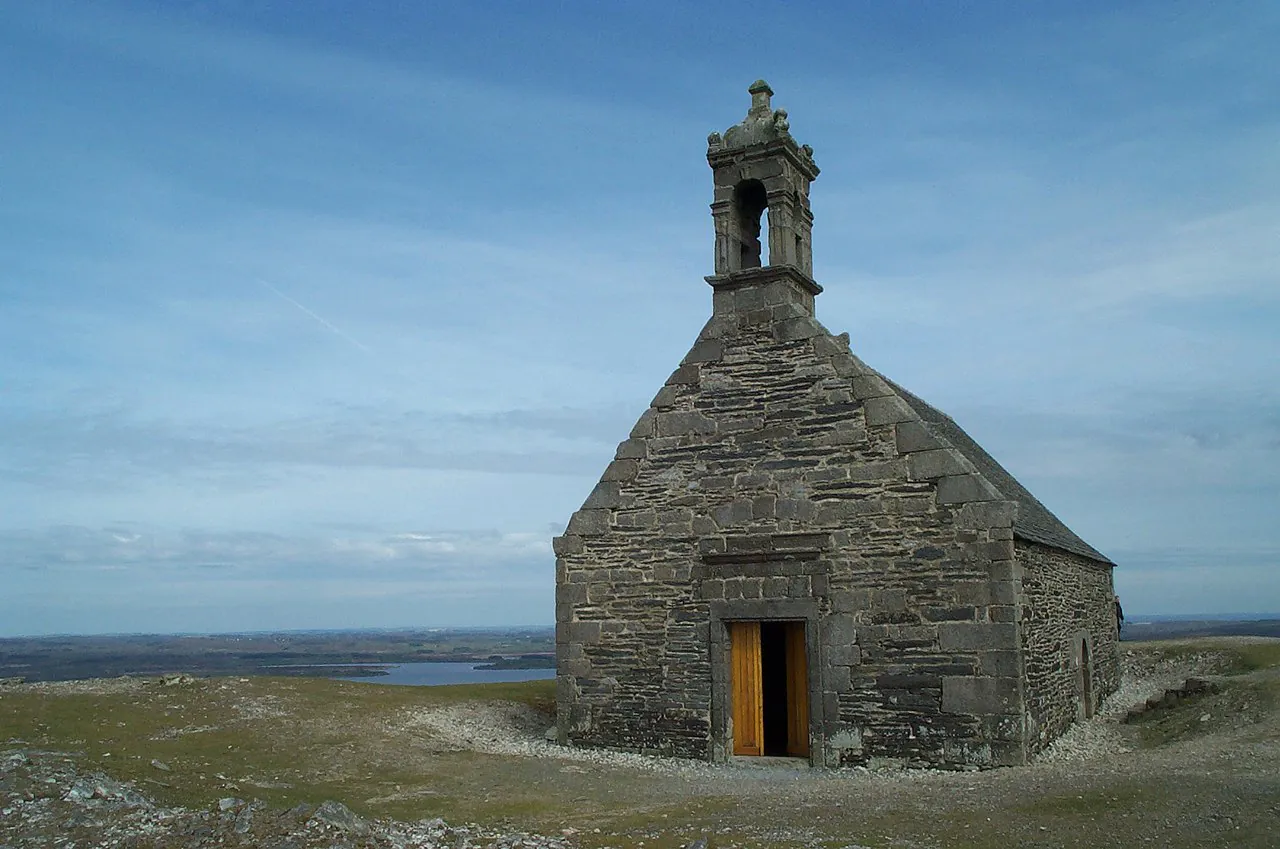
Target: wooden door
(797,691)
(745,688)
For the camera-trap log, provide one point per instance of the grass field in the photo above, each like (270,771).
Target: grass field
(1187,781)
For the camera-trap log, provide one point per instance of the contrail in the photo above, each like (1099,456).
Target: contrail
(323,323)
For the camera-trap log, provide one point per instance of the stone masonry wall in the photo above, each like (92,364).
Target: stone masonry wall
(775,468)
(1066,598)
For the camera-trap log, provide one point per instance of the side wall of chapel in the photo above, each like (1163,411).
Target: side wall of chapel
(1068,614)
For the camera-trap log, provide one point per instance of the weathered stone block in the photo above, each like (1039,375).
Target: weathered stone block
(826,345)
(988,514)
(960,488)
(712,589)
(887,410)
(764,507)
(743,544)
(999,550)
(734,513)
(847,365)
(620,470)
(712,545)
(870,386)
(644,425)
(585,632)
(849,601)
(682,423)
(567,544)
(1004,570)
(838,630)
(1002,613)
(588,523)
(667,397)
(1000,664)
(631,449)
(794,508)
(838,512)
(843,655)
(796,329)
(907,681)
(915,436)
(685,375)
(976,593)
(965,694)
(961,613)
(705,351)
(646,518)
(941,462)
(981,636)
(605,495)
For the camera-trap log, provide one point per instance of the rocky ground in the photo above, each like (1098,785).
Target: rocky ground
(1202,773)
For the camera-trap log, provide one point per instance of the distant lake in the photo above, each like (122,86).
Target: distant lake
(449,672)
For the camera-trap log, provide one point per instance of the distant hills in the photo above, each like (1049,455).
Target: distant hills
(1177,627)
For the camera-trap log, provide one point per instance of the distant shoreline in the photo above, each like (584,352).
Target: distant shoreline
(362,654)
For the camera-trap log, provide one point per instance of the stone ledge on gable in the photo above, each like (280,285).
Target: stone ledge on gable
(915,436)
(936,463)
(566,544)
(887,410)
(621,470)
(705,350)
(685,375)
(644,425)
(588,523)
(870,386)
(956,489)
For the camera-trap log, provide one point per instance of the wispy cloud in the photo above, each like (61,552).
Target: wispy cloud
(1056,224)
(81,449)
(323,322)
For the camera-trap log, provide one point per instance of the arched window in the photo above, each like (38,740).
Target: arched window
(749,203)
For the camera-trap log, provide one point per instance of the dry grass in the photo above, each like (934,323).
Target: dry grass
(290,740)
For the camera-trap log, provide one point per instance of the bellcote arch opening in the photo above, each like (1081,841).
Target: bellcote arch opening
(749,203)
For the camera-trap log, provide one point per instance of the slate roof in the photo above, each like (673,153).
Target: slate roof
(1034,522)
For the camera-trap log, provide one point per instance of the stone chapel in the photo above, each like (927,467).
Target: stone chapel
(792,555)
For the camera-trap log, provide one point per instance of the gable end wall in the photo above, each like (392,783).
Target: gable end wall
(771,435)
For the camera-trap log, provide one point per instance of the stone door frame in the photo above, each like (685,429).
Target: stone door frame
(748,610)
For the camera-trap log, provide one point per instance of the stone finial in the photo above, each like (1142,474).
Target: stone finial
(762,124)
(760,94)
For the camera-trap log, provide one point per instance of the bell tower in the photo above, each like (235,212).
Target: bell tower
(762,179)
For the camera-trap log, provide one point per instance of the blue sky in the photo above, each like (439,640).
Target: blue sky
(329,314)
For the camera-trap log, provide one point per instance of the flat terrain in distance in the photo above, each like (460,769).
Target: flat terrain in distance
(1204,772)
(288,653)
(293,652)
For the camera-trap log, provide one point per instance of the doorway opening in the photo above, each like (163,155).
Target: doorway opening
(1086,681)
(769,688)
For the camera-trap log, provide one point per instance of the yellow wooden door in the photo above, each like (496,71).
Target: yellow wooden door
(745,687)
(797,691)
